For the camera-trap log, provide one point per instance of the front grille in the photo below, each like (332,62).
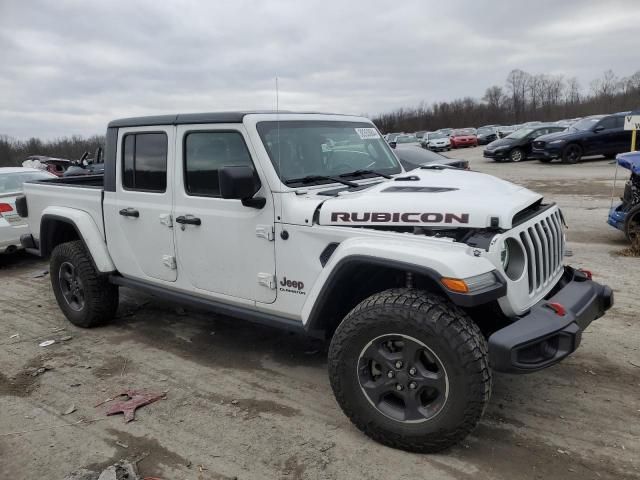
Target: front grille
(544,246)
(538,144)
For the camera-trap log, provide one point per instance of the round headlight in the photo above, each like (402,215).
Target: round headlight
(512,258)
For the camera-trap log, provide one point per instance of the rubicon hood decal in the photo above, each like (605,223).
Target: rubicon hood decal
(447,198)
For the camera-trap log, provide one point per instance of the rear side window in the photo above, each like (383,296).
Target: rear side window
(144,162)
(619,122)
(608,123)
(207,152)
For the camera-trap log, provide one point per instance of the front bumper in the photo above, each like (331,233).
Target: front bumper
(550,152)
(497,154)
(617,216)
(543,337)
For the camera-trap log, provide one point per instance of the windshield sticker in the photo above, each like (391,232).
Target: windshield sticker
(367,133)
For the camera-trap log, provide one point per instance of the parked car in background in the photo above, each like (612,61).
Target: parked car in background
(11,224)
(436,141)
(420,134)
(390,137)
(505,130)
(57,166)
(405,140)
(625,215)
(412,157)
(518,145)
(595,135)
(464,137)
(446,131)
(487,134)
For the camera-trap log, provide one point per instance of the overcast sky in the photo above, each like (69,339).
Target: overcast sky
(68,67)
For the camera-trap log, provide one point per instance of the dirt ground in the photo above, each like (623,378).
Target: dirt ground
(250,402)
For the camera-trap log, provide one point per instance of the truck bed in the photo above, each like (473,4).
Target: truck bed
(80,193)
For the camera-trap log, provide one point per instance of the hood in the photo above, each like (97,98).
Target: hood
(463,137)
(447,198)
(501,142)
(630,161)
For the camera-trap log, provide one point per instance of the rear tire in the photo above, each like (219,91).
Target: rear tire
(85,296)
(401,337)
(572,153)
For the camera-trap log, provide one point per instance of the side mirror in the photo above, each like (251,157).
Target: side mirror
(393,144)
(240,183)
(599,128)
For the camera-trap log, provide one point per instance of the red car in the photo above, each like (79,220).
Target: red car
(465,137)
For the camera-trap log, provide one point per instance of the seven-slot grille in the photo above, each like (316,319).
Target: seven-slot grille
(543,244)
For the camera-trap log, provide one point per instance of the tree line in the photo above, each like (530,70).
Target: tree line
(523,98)
(13,152)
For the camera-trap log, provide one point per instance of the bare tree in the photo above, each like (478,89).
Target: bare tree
(517,82)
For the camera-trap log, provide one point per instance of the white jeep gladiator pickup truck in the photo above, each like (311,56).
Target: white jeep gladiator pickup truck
(423,281)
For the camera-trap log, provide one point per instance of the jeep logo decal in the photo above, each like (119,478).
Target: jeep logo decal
(409,217)
(291,286)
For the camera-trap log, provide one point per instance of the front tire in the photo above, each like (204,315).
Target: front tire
(85,297)
(572,153)
(516,155)
(410,370)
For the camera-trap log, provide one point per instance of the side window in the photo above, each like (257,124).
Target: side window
(608,123)
(207,152)
(144,162)
(619,122)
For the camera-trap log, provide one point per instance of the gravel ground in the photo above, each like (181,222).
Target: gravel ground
(253,403)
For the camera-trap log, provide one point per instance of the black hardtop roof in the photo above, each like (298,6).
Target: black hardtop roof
(192,118)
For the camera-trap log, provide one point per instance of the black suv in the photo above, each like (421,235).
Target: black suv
(517,145)
(595,135)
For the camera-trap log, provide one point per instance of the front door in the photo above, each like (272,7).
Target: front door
(224,248)
(138,214)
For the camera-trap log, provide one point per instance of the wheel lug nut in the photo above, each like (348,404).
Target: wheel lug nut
(412,385)
(398,387)
(398,364)
(390,374)
(412,371)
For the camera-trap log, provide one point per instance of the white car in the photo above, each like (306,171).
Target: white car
(438,141)
(12,226)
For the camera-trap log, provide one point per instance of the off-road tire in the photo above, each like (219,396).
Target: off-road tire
(631,225)
(100,297)
(568,156)
(443,328)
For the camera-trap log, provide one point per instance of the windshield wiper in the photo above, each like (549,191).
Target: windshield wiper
(315,178)
(358,173)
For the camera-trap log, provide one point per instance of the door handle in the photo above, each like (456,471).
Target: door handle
(130,212)
(188,220)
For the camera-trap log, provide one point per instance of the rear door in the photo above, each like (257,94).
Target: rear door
(227,249)
(138,214)
(603,141)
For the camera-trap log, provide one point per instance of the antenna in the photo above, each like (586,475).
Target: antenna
(278,137)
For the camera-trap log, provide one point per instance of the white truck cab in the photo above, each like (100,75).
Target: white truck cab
(423,281)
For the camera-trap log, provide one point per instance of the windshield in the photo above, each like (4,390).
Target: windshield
(484,131)
(299,149)
(406,139)
(463,132)
(586,123)
(523,132)
(12,182)
(435,136)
